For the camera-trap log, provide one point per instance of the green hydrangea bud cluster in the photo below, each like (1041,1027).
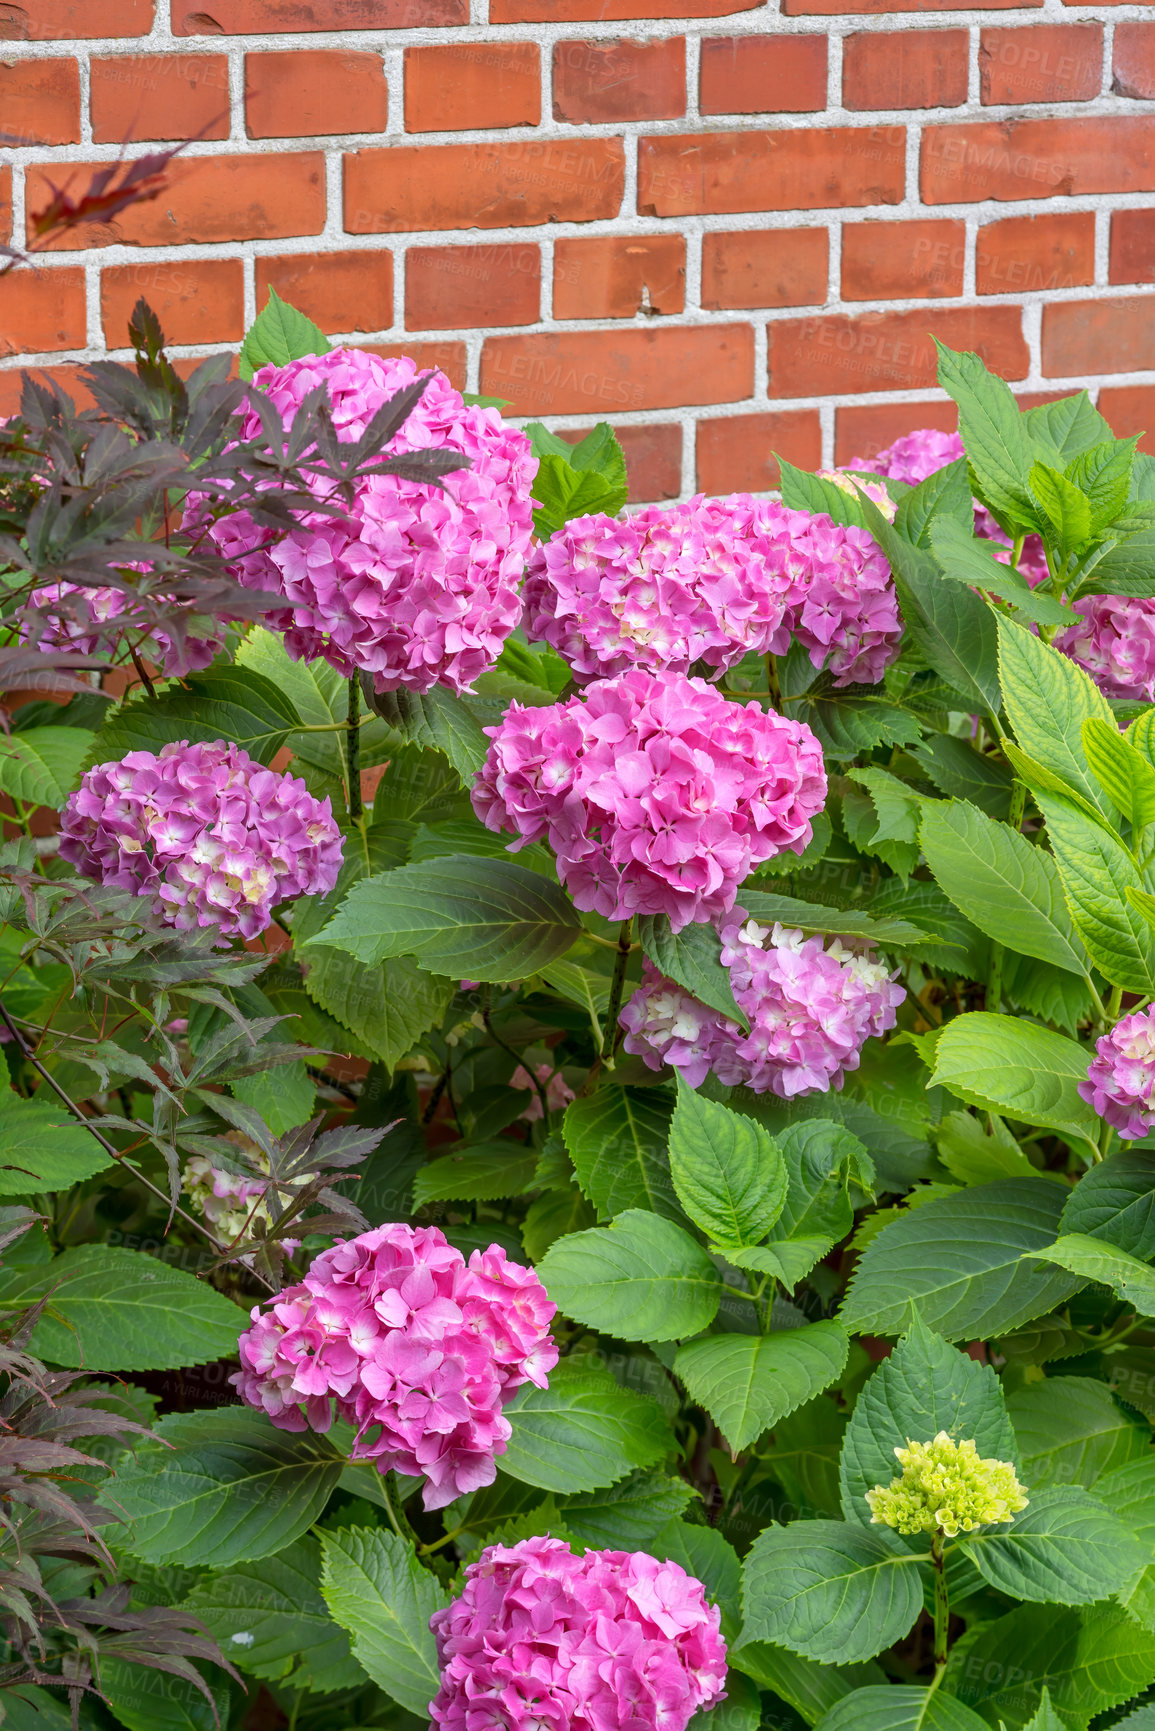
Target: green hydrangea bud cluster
(946,1487)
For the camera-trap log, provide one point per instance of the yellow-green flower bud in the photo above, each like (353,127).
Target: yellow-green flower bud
(946,1487)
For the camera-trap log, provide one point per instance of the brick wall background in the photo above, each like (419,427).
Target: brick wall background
(729,227)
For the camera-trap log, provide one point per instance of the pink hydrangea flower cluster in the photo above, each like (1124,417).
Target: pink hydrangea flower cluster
(1115,642)
(418,585)
(919,454)
(810,1008)
(215,838)
(416,1349)
(1120,1083)
(657,795)
(541,1640)
(712,580)
(79,628)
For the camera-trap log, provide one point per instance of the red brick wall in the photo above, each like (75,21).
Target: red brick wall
(731,228)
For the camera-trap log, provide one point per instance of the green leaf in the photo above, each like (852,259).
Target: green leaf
(961,772)
(1115,1201)
(964,558)
(377,1590)
(1064,507)
(439,720)
(748,1382)
(483,1173)
(1089,1659)
(707,1557)
(146,1699)
(1129,1492)
(565,493)
(617,1140)
(226,702)
(1069,426)
(1012,1066)
(469,918)
(923,1387)
(1008,888)
(1124,774)
(809,1688)
(269,1619)
(582,1432)
(1097,873)
(1048,698)
(278,335)
(728,1172)
(951,625)
(821,1158)
(1091,1259)
(993,431)
(975,1155)
(229,1487)
(1126,569)
(829,1591)
(643,1278)
(900,1708)
(599,452)
(946,493)
(42,765)
(1103,475)
(1064,1549)
(626,1516)
(959,1261)
(768,908)
(117,1310)
(1072,1430)
(691,957)
(43,1147)
(802,491)
(387,1006)
(1046,1719)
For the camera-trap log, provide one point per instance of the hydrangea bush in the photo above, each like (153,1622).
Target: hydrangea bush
(577,1087)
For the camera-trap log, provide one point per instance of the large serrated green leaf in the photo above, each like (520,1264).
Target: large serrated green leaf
(439,719)
(728,1171)
(1012,1066)
(1048,698)
(278,335)
(111,1309)
(1098,873)
(229,1488)
(1089,1659)
(747,1382)
(691,957)
(386,1006)
(900,1708)
(43,1147)
(617,1140)
(1065,1548)
(1115,1201)
(465,917)
(1122,771)
(959,1261)
(643,1278)
(583,1432)
(377,1590)
(994,431)
(42,765)
(226,702)
(829,1591)
(1072,1430)
(1091,1259)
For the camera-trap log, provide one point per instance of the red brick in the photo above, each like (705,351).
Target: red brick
(810,168)
(208,198)
(905,69)
(41,310)
(40,101)
(67,377)
(471,85)
(737,453)
(1099,336)
(1041,63)
(617,276)
(825,8)
(594,372)
(834,353)
(1036,252)
(607,11)
(864,432)
(197,300)
(619,78)
(308,92)
(1134,59)
(1132,246)
(160,96)
(242,17)
(60,20)
(902,260)
(785,267)
(653,459)
(450,288)
(762,75)
(1013,159)
(409,188)
(1130,409)
(448,358)
(340,291)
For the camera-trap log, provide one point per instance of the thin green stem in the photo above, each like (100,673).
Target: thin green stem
(773,689)
(1017,550)
(353,750)
(941,1602)
(617,987)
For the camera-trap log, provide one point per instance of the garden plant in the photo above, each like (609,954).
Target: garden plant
(578,1125)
